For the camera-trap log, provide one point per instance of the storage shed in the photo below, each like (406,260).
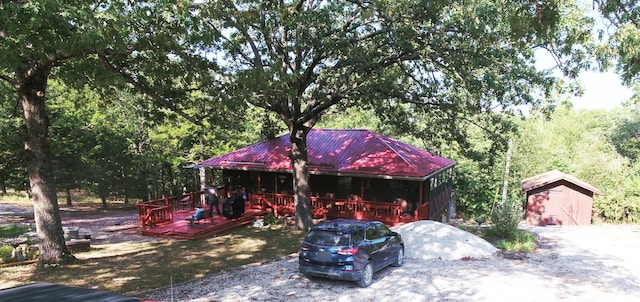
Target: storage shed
(555,198)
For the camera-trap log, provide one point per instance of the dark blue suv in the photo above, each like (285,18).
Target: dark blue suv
(352,250)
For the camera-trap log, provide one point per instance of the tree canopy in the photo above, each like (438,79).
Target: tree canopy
(303,59)
(141,43)
(192,75)
(621,34)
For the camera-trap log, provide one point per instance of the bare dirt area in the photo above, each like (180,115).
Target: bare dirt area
(119,224)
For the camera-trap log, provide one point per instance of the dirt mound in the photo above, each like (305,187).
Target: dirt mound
(429,240)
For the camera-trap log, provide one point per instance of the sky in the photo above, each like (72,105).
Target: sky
(601,91)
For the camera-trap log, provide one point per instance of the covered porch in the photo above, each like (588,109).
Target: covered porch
(353,174)
(389,201)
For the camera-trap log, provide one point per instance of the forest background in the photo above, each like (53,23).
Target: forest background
(107,145)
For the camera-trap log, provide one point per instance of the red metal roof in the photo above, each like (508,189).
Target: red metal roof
(554,176)
(338,152)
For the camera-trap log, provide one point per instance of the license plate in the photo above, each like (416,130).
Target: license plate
(324,256)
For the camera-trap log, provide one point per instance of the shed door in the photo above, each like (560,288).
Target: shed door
(543,207)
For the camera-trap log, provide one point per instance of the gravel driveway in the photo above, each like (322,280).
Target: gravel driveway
(596,263)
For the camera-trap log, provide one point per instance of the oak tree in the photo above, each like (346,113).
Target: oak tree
(140,42)
(303,59)
(621,33)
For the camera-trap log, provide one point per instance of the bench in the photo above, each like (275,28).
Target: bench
(183,203)
(79,245)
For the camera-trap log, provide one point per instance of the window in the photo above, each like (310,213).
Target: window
(358,236)
(328,238)
(372,232)
(383,230)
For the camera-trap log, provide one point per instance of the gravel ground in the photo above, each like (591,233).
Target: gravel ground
(595,263)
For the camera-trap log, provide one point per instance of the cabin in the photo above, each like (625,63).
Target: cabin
(555,198)
(353,174)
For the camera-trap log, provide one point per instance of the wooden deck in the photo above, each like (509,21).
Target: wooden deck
(168,217)
(180,229)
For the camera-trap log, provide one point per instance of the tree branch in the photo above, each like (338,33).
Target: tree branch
(13,82)
(144,88)
(234,45)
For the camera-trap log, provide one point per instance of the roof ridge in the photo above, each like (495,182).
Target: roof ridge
(379,137)
(342,130)
(552,176)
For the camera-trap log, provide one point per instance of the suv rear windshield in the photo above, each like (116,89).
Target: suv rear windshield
(328,238)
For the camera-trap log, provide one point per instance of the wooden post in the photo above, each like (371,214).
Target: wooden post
(259,183)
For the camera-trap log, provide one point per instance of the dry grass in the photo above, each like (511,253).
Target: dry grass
(133,267)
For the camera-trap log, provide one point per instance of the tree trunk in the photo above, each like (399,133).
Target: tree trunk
(146,195)
(3,188)
(40,166)
(301,187)
(68,193)
(103,198)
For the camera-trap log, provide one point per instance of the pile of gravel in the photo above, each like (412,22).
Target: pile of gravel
(430,240)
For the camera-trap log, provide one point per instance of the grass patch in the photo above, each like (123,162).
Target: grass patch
(13,230)
(129,268)
(517,240)
(79,198)
(15,197)
(467,228)
(134,267)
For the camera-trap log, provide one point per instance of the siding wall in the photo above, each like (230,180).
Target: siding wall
(560,203)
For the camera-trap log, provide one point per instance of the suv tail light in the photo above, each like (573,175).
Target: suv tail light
(304,247)
(350,251)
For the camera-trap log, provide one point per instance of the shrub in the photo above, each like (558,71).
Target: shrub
(32,252)
(271,219)
(505,219)
(618,208)
(5,253)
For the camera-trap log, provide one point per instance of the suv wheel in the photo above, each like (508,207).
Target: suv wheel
(367,275)
(399,257)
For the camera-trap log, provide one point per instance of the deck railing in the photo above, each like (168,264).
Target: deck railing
(366,210)
(282,204)
(156,211)
(330,208)
(161,210)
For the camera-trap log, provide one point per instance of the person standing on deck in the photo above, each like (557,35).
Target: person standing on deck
(211,196)
(245,195)
(238,203)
